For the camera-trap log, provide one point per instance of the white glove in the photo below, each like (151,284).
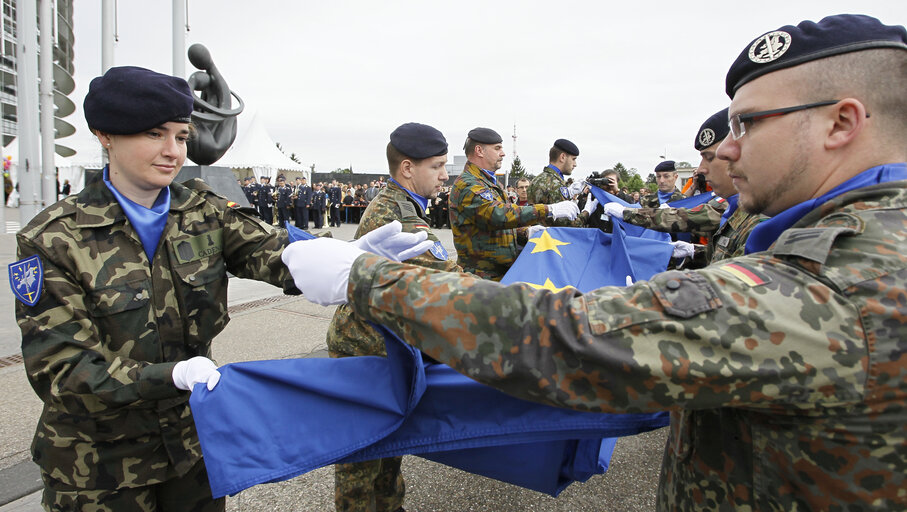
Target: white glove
(197,370)
(615,210)
(682,249)
(576,188)
(564,210)
(532,230)
(663,206)
(591,205)
(389,241)
(321,268)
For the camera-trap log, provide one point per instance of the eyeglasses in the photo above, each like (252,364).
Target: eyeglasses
(738,122)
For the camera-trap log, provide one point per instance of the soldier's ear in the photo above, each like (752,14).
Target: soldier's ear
(406,168)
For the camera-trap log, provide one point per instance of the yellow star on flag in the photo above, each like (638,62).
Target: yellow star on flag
(545,242)
(548,285)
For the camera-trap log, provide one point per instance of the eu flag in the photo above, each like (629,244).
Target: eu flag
(268,421)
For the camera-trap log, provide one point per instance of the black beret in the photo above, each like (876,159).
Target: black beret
(789,46)
(666,166)
(567,147)
(418,141)
(129,99)
(712,131)
(484,136)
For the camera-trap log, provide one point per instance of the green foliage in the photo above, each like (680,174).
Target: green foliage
(343,171)
(517,171)
(628,178)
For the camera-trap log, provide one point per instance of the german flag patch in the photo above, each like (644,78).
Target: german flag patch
(750,276)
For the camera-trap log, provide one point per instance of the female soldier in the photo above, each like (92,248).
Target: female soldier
(123,287)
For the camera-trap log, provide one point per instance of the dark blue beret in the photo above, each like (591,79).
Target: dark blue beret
(789,46)
(666,166)
(418,141)
(128,100)
(484,136)
(712,131)
(567,147)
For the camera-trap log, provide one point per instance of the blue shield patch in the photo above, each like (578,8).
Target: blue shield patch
(565,192)
(486,195)
(438,251)
(26,278)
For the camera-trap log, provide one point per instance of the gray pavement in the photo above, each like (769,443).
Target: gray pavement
(268,325)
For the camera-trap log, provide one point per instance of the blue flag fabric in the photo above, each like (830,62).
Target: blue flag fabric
(268,421)
(587,259)
(637,231)
(630,229)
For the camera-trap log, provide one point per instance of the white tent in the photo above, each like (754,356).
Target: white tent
(254,149)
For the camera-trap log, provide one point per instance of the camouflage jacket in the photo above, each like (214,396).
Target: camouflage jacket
(548,188)
(101,342)
(729,241)
(349,335)
(652,201)
(791,363)
(483,221)
(700,220)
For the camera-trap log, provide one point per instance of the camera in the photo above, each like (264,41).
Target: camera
(601,180)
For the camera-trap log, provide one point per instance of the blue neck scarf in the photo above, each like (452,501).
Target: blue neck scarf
(559,173)
(490,175)
(731,208)
(765,234)
(148,222)
(664,197)
(421,201)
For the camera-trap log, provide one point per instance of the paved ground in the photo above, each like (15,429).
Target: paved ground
(268,325)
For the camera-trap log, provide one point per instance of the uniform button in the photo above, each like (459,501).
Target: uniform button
(673,284)
(192,278)
(140,296)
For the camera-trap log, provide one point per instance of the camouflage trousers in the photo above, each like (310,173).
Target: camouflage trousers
(189,493)
(369,486)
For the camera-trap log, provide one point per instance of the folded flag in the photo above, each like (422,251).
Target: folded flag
(268,421)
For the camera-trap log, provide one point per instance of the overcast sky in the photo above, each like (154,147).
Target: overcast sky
(627,83)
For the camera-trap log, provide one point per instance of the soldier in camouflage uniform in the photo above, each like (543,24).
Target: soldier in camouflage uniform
(483,220)
(119,324)
(788,363)
(725,228)
(416,155)
(551,187)
(729,238)
(666,179)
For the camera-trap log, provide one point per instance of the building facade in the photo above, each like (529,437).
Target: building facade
(63,70)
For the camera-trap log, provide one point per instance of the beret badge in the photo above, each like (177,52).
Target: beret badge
(769,47)
(706,137)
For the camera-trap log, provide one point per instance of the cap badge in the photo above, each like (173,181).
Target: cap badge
(769,47)
(707,137)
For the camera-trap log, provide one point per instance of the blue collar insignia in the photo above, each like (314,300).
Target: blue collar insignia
(26,278)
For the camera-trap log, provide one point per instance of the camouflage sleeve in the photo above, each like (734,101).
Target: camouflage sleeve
(252,249)
(494,214)
(703,219)
(698,339)
(65,355)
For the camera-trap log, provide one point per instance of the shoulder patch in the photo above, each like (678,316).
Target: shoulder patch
(231,204)
(486,195)
(407,209)
(565,192)
(26,278)
(746,273)
(812,244)
(438,251)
